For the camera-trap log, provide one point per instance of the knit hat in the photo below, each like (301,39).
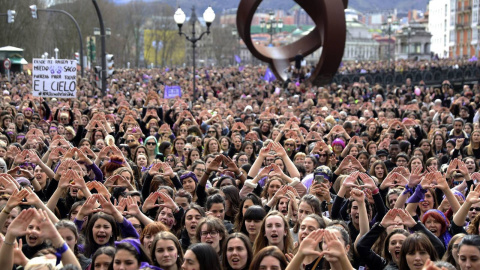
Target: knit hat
(189,175)
(338,141)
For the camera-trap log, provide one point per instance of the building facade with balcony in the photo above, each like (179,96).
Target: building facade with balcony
(464,27)
(413,42)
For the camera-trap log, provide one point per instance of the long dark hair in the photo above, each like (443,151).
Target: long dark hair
(109,251)
(414,242)
(254,212)
(165,235)
(137,251)
(206,256)
(239,217)
(231,194)
(90,245)
(248,247)
(387,254)
(470,240)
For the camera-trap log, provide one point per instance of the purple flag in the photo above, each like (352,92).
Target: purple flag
(269,76)
(172,91)
(238,59)
(241,68)
(167,69)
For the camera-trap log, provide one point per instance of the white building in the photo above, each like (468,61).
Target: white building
(439,26)
(359,43)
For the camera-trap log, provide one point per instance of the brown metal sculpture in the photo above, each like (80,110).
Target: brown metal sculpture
(329,34)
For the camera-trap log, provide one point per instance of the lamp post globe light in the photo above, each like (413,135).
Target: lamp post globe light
(56,50)
(180,17)
(272,26)
(387,29)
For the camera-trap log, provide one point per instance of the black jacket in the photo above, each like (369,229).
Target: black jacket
(375,261)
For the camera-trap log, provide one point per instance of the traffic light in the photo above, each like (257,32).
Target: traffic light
(92,49)
(33,8)
(11,16)
(110,65)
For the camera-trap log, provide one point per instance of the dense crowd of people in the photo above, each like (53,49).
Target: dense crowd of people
(403,65)
(239,174)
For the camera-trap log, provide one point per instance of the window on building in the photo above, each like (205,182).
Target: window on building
(417,48)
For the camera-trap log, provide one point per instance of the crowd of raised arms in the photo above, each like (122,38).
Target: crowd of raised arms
(239,174)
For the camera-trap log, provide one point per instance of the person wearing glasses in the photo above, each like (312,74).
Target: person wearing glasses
(291,148)
(186,151)
(249,148)
(152,148)
(212,132)
(36,118)
(211,230)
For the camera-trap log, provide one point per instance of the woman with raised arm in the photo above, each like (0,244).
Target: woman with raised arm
(19,227)
(393,224)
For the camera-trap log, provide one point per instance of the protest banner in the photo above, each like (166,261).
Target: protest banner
(54,78)
(172,91)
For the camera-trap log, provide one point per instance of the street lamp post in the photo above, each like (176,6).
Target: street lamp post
(56,53)
(408,42)
(179,17)
(34,10)
(104,54)
(271,26)
(410,32)
(389,21)
(238,48)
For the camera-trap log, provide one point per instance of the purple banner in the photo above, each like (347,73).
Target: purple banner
(172,91)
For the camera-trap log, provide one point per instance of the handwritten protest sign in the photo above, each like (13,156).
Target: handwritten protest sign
(172,91)
(54,78)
